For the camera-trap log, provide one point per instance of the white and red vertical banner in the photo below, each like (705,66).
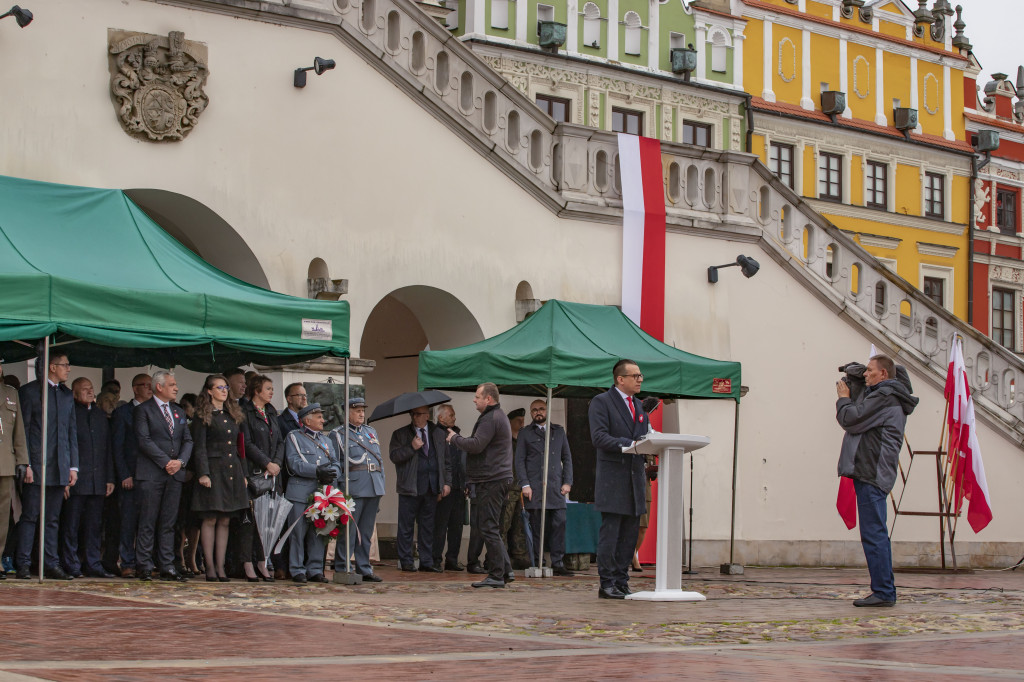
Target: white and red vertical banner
(643,262)
(966,468)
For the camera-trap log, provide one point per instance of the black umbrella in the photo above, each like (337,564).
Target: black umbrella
(406,402)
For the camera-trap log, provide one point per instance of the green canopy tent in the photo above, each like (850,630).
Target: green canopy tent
(86,269)
(569,350)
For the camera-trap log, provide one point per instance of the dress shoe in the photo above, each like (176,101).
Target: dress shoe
(624,589)
(453,566)
(476,569)
(223,578)
(873,600)
(254,579)
(145,577)
(560,569)
(510,577)
(300,579)
(56,573)
(318,578)
(172,577)
(489,582)
(212,579)
(371,578)
(431,569)
(3,575)
(24,573)
(127,572)
(267,578)
(76,574)
(610,593)
(102,573)
(407,568)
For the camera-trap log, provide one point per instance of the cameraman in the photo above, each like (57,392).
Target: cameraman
(874,426)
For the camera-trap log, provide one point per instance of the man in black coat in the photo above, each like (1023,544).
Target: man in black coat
(83,510)
(125,447)
(530,472)
(451,510)
(423,476)
(295,399)
(165,446)
(617,420)
(61,464)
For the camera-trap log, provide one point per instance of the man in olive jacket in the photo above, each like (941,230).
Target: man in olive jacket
(13,454)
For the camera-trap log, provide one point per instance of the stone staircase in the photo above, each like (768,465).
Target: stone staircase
(573,171)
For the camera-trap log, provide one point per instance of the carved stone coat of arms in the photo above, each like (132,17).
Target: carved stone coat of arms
(156,83)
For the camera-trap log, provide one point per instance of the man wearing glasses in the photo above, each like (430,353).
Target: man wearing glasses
(617,420)
(295,395)
(61,464)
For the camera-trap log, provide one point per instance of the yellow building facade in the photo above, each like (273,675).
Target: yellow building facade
(857,106)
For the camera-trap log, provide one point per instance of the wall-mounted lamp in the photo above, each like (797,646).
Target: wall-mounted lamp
(319,66)
(22,16)
(748,266)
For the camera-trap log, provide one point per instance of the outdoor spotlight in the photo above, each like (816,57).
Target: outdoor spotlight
(319,66)
(748,266)
(22,16)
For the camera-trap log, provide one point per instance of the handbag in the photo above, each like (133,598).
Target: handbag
(260,484)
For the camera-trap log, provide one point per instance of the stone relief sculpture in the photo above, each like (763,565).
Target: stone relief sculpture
(156,83)
(981,197)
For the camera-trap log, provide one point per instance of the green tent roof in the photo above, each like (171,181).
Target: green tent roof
(90,267)
(572,347)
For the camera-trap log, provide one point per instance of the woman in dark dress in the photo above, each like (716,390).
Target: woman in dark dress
(264,454)
(221,491)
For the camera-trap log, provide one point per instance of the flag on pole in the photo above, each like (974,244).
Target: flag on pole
(967,470)
(643,262)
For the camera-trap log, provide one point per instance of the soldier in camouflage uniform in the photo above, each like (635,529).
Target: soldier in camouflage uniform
(512,528)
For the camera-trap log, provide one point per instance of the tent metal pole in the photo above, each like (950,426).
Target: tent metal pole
(544,488)
(44,383)
(348,526)
(735,460)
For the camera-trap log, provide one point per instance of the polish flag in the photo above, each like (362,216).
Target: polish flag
(967,470)
(643,262)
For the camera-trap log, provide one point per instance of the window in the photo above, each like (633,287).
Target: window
(935,289)
(633,33)
(1003,318)
(499,14)
(780,160)
(555,107)
(1006,211)
(876,185)
(626,121)
(697,133)
(591,25)
(934,195)
(830,177)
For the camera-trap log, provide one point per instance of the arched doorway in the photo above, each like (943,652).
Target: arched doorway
(202,231)
(403,323)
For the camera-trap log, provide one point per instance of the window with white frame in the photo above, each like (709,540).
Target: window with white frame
(634,34)
(499,14)
(936,283)
(830,176)
(780,161)
(591,25)
(1004,318)
(876,185)
(934,195)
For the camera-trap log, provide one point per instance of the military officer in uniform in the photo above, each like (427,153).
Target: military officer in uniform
(13,454)
(365,486)
(312,462)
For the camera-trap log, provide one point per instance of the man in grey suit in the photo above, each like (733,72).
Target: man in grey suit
(165,446)
(61,464)
(312,462)
(617,420)
(530,471)
(13,454)
(424,477)
(365,486)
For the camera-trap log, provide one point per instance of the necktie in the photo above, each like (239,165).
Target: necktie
(423,437)
(167,418)
(632,410)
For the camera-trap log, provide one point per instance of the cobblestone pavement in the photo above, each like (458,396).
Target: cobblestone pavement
(792,624)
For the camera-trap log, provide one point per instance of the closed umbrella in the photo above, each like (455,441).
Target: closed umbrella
(406,402)
(271,513)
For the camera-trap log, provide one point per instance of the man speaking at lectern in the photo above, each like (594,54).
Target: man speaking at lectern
(617,420)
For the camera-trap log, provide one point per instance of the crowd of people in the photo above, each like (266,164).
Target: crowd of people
(162,487)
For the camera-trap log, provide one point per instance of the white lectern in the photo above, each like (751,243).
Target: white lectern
(668,576)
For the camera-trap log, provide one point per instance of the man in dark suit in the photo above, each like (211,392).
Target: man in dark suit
(423,476)
(617,420)
(125,447)
(295,397)
(165,446)
(83,510)
(451,510)
(61,464)
(530,471)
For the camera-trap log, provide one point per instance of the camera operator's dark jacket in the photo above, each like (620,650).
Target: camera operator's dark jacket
(874,426)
